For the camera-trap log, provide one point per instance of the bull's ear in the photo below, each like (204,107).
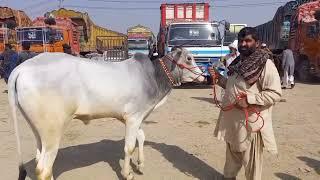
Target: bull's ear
(178,54)
(176,48)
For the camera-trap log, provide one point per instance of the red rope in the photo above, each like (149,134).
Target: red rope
(181,66)
(231,106)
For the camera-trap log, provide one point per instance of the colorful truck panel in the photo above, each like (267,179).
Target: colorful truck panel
(88,30)
(305,40)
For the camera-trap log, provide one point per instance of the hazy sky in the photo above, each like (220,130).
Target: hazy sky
(251,12)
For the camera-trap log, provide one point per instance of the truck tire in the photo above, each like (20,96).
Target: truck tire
(303,72)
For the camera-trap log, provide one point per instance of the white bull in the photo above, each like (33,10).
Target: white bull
(51,89)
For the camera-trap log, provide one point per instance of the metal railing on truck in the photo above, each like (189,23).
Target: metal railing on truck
(114,48)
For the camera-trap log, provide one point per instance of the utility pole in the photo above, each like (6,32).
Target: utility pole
(60,3)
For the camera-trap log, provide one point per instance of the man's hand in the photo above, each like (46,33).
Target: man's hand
(242,103)
(217,78)
(212,73)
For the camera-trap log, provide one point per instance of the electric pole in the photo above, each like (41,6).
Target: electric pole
(60,3)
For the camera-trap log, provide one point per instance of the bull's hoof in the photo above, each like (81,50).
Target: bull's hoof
(22,173)
(140,167)
(130,176)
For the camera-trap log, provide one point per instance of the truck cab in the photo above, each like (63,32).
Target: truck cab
(187,25)
(202,39)
(42,39)
(49,34)
(140,45)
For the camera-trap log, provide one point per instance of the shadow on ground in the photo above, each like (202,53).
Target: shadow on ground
(111,152)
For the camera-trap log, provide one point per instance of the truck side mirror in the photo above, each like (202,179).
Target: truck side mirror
(213,35)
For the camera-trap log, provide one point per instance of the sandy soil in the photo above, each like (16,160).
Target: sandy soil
(179,141)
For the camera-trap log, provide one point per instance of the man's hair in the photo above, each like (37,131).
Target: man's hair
(248,31)
(26,45)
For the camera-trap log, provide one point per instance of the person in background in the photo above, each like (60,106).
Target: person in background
(288,68)
(265,47)
(233,53)
(67,49)
(9,60)
(25,54)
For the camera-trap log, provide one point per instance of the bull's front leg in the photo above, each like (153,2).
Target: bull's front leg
(132,127)
(141,139)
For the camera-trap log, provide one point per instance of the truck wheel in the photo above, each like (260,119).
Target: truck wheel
(303,72)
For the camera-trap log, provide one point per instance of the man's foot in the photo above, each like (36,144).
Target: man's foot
(5,91)
(292,86)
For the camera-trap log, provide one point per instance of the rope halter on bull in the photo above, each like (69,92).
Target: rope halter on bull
(181,67)
(247,110)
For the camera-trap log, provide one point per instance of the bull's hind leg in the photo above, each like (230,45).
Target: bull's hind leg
(141,139)
(132,127)
(35,132)
(50,133)
(50,139)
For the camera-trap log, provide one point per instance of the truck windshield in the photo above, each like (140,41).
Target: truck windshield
(39,35)
(137,44)
(232,34)
(193,34)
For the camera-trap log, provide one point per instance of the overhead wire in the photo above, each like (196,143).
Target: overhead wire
(106,8)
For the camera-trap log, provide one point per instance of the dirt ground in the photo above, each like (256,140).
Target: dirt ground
(179,141)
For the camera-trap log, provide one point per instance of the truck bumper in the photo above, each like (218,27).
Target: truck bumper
(204,67)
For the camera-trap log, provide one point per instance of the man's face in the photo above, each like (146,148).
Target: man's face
(247,45)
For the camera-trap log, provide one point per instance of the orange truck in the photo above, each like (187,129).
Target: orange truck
(305,40)
(9,20)
(50,37)
(3,38)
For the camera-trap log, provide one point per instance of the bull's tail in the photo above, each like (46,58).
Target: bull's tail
(14,104)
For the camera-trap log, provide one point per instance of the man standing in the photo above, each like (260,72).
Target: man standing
(9,60)
(26,53)
(288,68)
(253,86)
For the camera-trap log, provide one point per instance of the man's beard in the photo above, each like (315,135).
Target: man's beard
(246,51)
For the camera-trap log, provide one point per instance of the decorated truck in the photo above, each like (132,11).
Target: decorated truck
(187,25)
(140,39)
(304,40)
(48,34)
(89,31)
(10,19)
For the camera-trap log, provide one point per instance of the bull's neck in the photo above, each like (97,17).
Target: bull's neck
(161,77)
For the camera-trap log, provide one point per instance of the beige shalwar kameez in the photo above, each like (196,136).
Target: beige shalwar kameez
(245,147)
